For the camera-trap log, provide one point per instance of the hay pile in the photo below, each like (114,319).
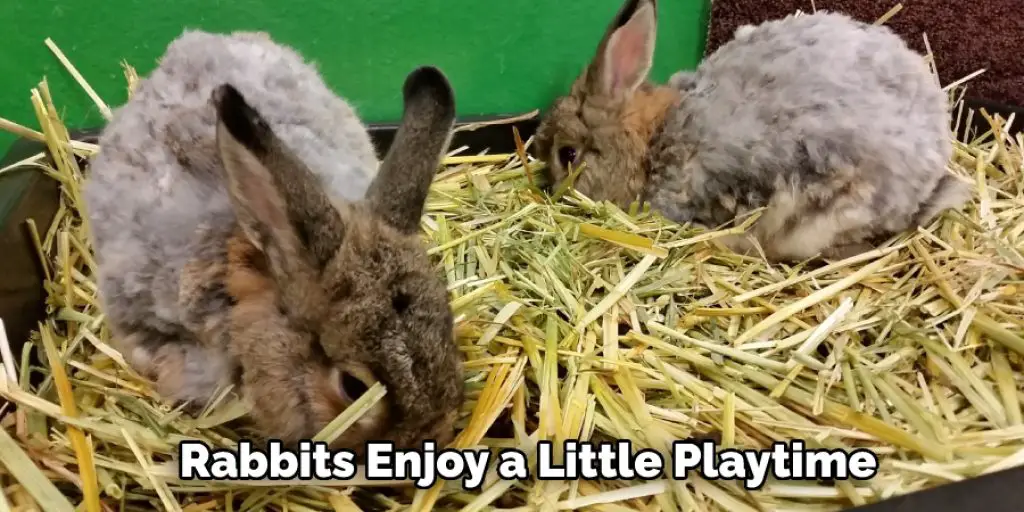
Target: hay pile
(617,326)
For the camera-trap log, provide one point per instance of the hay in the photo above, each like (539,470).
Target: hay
(616,324)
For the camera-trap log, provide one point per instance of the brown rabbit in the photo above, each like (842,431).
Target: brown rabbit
(833,126)
(245,235)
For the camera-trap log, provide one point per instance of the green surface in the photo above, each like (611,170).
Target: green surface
(502,57)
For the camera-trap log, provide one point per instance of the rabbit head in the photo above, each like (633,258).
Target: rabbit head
(330,299)
(603,127)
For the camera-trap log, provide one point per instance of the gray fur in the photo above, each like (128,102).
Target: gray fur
(237,242)
(835,125)
(156,178)
(796,99)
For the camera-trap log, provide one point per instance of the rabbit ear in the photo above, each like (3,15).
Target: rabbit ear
(400,189)
(626,54)
(278,200)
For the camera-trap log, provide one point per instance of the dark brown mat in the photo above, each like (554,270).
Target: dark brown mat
(964,35)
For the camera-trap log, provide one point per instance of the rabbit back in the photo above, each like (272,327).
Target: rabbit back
(804,111)
(156,197)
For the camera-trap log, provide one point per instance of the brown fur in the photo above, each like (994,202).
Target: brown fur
(275,356)
(572,122)
(312,298)
(614,110)
(646,110)
(247,278)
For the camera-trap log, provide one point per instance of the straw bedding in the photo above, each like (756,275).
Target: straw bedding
(579,320)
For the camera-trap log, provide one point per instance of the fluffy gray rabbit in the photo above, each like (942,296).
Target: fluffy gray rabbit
(245,235)
(835,126)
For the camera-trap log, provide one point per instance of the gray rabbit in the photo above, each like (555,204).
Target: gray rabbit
(245,235)
(834,126)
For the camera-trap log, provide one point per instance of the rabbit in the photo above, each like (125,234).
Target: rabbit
(246,234)
(835,127)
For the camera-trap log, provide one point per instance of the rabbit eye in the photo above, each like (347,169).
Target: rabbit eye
(400,302)
(351,386)
(566,155)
